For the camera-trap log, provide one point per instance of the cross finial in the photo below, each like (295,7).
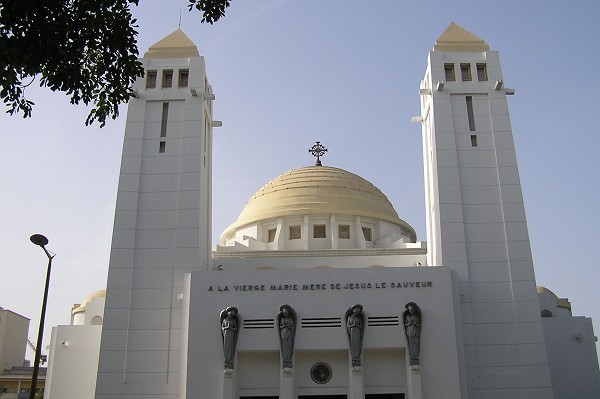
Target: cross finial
(318,151)
(180,18)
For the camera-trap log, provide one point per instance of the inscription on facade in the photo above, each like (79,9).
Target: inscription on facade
(320,286)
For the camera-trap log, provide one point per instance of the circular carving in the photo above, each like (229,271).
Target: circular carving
(320,373)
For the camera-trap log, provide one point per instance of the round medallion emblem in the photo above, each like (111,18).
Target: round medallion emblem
(320,373)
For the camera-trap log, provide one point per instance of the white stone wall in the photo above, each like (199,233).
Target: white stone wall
(572,357)
(255,235)
(73,362)
(73,354)
(161,231)
(476,225)
(571,347)
(257,368)
(407,257)
(94,311)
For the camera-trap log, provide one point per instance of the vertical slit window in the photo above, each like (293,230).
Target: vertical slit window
(473,140)
(470,113)
(167,80)
(162,146)
(150,79)
(183,77)
(482,72)
(271,235)
(206,130)
(449,72)
(465,72)
(164,119)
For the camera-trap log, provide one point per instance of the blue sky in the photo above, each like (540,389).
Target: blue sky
(288,73)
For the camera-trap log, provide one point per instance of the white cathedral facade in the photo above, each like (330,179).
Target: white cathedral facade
(319,289)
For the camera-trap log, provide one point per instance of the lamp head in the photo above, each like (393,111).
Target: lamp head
(39,239)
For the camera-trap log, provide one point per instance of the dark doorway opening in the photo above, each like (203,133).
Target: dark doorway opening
(322,397)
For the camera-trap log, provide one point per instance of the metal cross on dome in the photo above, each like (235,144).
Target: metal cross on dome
(318,151)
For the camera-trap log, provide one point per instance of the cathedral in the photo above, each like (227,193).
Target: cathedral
(319,289)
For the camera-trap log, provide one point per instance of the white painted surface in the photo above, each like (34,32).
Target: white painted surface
(476,226)
(73,354)
(73,364)
(161,231)
(383,345)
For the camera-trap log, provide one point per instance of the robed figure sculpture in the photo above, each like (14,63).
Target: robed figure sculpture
(286,327)
(230,321)
(411,320)
(355,327)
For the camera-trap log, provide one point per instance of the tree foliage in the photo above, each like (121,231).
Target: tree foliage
(212,10)
(84,48)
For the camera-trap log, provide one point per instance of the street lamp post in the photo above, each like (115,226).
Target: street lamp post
(40,240)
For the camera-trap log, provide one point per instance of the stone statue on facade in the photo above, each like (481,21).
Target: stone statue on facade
(355,327)
(230,321)
(286,328)
(411,321)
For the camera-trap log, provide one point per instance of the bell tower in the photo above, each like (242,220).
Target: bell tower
(476,218)
(162,223)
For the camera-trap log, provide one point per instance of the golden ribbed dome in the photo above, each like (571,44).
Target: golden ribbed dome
(316,190)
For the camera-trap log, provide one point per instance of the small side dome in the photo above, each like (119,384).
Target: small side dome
(90,311)
(80,307)
(549,300)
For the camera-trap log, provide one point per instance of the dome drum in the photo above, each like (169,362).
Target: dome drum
(317,207)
